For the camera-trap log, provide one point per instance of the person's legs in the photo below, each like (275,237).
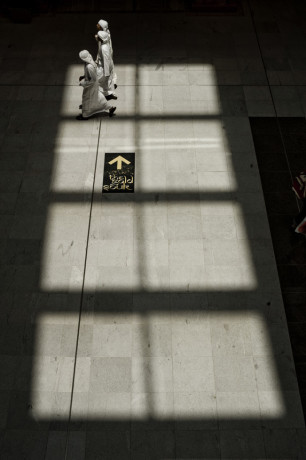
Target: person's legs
(111,111)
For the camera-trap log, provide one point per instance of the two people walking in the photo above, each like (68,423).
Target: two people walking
(99,79)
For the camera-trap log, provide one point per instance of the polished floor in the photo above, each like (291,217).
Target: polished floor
(151,325)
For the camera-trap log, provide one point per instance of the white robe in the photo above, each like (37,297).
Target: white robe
(112,54)
(106,74)
(93,101)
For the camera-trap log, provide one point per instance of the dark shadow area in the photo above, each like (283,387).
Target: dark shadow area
(276,170)
(30,115)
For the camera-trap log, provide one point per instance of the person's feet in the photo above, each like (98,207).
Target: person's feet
(111,96)
(80,117)
(111,111)
(115,86)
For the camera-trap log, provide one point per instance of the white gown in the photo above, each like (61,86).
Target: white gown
(105,64)
(114,79)
(93,101)
(104,26)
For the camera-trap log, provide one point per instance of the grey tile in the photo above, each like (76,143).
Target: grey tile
(8,368)
(152,374)
(281,409)
(186,252)
(152,339)
(180,161)
(281,443)
(27,227)
(112,445)
(8,203)
(151,227)
(188,302)
(24,444)
(116,227)
(230,336)
(76,445)
(85,340)
(4,408)
(260,108)
(35,183)
(238,410)
(182,182)
(22,251)
(34,204)
(197,444)
(152,444)
(112,340)
(242,444)
(106,409)
(144,302)
(205,161)
(191,336)
(225,252)
(184,226)
(188,278)
(56,445)
(110,375)
(219,227)
(234,373)
(10,181)
(152,411)
(195,410)
(193,374)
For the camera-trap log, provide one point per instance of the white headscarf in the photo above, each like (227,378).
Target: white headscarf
(103,24)
(87,57)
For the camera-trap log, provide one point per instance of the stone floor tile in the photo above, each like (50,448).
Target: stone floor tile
(184,227)
(114,444)
(152,375)
(30,444)
(76,445)
(234,373)
(244,404)
(152,340)
(193,374)
(108,375)
(222,227)
(281,409)
(195,410)
(180,161)
(280,443)
(242,444)
(186,252)
(56,445)
(190,339)
(150,411)
(230,336)
(208,161)
(152,444)
(197,444)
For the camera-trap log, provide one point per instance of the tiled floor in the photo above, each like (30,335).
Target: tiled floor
(149,325)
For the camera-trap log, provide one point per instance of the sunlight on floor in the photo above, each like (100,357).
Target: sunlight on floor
(194,342)
(197,243)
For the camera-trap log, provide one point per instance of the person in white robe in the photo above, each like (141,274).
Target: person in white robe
(105,66)
(102,25)
(93,100)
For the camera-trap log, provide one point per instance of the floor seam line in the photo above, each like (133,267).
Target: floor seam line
(82,293)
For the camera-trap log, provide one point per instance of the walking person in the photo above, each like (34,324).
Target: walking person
(105,48)
(93,100)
